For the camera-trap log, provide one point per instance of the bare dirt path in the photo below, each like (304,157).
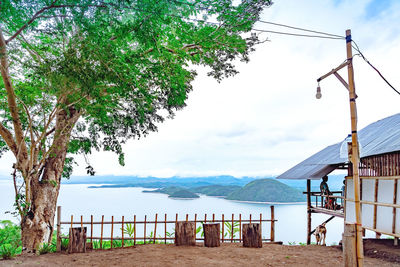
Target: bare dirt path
(170,255)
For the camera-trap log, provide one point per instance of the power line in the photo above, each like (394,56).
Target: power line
(276,24)
(372,66)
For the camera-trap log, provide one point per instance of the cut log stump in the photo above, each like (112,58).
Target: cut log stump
(211,234)
(77,240)
(185,234)
(252,235)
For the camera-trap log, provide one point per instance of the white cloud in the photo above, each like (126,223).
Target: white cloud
(266,119)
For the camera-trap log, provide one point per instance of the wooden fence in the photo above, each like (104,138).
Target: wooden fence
(233,222)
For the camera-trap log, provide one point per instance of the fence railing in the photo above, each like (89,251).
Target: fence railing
(124,230)
(322,201)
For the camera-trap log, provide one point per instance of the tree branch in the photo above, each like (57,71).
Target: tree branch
(11,97)
(37,15)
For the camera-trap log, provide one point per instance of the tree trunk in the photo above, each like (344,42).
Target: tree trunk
(211,234)
(38,224)
(185,234)
(252,235)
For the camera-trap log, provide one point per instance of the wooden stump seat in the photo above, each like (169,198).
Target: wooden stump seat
(252,235)
(211,234)
(185,234)
(77,240)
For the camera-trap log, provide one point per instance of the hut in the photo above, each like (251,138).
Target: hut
(379,174)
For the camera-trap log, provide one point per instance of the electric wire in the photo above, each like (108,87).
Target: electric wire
(355,46)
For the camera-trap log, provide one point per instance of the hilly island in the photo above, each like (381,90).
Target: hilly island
(231,188)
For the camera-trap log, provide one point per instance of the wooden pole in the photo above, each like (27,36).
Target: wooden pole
(376,206)
(101,234)
(81,221)
(134,230)
(223,222)
(112,231)
(165,228)
(213,218)
(91,229)
(261,225)
(58,228)
(205,218)
(144,229)
(155,229)
(122,231)
(195,225)
(72,220)
(394,209)
(250,219)
(355,150)
(187,217)
(240,227)
(308,211)
(272,224)
(232,229)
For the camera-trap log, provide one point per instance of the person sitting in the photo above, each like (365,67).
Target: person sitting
(330,203)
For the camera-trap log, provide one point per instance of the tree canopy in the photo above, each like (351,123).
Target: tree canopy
(122,65)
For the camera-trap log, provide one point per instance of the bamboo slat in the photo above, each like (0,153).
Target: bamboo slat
(112,230)
(165,229)
(101,239)
(223,223)
(155,229)
(122,231)
(144,229)
(134,230)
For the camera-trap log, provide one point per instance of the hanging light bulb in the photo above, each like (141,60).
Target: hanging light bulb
(318,95)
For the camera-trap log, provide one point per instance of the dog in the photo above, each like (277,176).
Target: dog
(320,234)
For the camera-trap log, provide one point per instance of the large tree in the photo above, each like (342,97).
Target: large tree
(79,75)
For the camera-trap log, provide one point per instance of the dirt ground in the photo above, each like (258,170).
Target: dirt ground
(226,255)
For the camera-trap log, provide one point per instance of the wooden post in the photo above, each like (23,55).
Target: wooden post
(349,245)
(165,228)
(394,209)
(72,220)
(355,157)
(77,240)
(185,234)
(376,206)
(112,231)
(308,212)
(232,229)
(205,218)
(250,219)
(155,229)
(101,235)
(91,229)
(144,229)
(272,224)
(223,223)
(261,225)
(81,221)
(122,231)
(252,235)
(58,228)
(134,230)
(213,218)
(211,234)
(240,227)
(187,217)
(195,224)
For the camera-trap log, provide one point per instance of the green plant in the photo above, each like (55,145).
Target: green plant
(10,239)
(292,243)
(129,229)
(8,251)
(64,243)
(46,248)
(200,230)
(231,231)
(302,244)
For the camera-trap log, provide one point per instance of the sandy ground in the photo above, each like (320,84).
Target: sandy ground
(171,255)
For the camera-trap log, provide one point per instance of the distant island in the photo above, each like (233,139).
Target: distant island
(262,190)
(267,190)
(232,188)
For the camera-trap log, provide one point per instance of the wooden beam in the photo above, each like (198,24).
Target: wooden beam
(308,212)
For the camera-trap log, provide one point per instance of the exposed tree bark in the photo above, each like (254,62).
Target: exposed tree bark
(38,224)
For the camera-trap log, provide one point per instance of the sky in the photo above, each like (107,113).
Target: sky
(266,119)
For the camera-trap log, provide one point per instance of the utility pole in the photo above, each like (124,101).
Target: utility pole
(354,155)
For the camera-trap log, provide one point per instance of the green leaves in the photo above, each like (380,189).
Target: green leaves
(124,65)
